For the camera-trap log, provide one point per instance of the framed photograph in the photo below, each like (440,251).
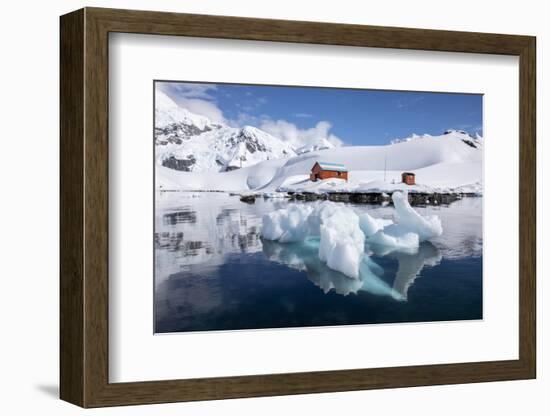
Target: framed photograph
(256,207)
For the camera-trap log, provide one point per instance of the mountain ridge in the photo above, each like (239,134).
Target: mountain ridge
(189,142)
(192,143)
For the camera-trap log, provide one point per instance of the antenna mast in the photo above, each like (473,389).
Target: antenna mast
(385,161)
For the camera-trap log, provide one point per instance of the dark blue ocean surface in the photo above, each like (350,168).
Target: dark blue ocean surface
(214,272)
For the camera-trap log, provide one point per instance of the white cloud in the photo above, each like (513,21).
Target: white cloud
(188,90)
(195,98)
(204,108)
(198,99)
(409,101)
(297,137)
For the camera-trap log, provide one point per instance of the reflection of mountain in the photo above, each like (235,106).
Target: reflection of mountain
(204,229)
(201,234)
(462,228)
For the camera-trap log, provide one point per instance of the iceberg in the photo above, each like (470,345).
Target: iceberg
(370,225)
(346,238)
(287,225)
(426,227)
(342,243)
(396,237)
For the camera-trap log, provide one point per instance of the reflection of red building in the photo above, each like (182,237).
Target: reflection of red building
(326,170)
(408,178)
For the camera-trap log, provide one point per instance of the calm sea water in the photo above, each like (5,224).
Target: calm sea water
(214,272)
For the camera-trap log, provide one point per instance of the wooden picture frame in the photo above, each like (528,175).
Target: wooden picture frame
(84,207)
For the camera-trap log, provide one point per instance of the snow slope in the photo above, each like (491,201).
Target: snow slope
(450,162)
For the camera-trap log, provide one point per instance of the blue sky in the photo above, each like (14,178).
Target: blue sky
(344,116)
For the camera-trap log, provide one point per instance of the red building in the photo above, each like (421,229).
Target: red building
(408,178)
(327,170)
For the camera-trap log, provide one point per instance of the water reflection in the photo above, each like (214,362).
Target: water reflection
(203,230)
(187,215)
(213,270)
(410,265)
(209,228)
(305,257)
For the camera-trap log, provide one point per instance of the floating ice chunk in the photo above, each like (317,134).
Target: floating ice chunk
(322,212)
(342,233)
(426,227)
(342,242)
(286,225)
(396,237)
(370,225)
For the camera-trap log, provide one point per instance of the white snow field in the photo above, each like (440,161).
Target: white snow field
(194,153)
(441,163)
(343,233)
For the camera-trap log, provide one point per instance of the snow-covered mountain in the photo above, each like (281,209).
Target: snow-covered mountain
(473,141)
(192,143)
(319,144)
(451,161)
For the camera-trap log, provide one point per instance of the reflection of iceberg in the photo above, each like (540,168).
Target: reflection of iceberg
(304,257)
(410,265)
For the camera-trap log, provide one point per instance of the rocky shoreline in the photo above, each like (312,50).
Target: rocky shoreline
(415,198)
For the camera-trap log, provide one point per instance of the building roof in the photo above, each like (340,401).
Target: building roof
(333,166)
